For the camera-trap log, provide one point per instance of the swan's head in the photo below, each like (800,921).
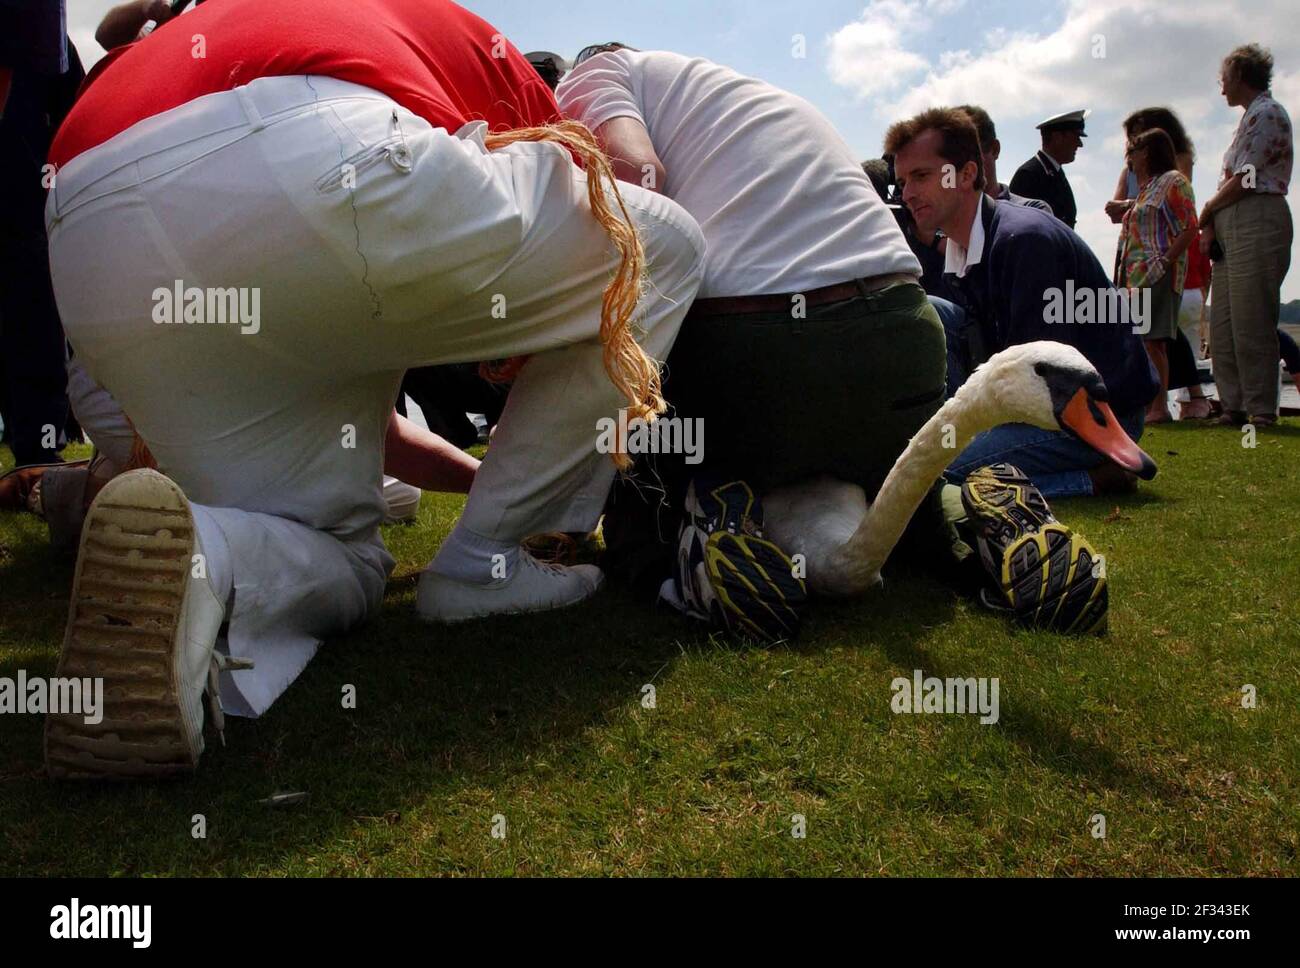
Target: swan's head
(1053,386)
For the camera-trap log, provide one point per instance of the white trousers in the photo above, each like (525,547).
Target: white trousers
(1190,311)
(100,416)
(362,241)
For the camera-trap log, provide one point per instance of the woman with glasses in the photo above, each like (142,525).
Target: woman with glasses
(1196,286)
(1157,231)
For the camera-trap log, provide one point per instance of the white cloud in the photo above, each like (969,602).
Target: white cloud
(868,56)
(1151,51)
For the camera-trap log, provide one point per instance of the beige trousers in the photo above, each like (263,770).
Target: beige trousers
(1245,300)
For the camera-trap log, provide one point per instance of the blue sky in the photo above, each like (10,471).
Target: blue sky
(867,63)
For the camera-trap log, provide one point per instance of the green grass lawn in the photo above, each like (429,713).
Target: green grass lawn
(540,720)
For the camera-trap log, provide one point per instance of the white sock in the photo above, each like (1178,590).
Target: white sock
(470,557)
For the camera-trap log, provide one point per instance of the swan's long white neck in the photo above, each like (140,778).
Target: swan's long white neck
(855,565)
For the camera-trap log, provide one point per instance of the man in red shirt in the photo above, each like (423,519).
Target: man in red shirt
(263,215)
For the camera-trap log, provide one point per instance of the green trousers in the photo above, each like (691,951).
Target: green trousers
(840,392)
(783,399)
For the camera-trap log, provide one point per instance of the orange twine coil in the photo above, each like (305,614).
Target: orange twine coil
(632,372)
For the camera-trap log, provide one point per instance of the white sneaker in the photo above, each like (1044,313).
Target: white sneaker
(403,500)
(142,622)
(532,587)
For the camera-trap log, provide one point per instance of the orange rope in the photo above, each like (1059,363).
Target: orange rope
(632,372)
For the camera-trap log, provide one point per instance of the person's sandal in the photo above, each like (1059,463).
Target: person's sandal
(1198,408)
(1264,420)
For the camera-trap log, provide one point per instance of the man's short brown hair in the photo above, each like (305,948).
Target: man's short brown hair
(983,124)
(960,141)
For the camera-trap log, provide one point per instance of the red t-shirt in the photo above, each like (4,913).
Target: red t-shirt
(1198,267)
(433,57)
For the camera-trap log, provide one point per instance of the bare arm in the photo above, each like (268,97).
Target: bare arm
(1206,240)
(1180,244)
(1121,187)
(422,458)
(627,142)
(123,23)
(1120,203)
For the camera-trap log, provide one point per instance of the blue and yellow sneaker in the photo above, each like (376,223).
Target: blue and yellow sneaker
(1046,575)
(728,573)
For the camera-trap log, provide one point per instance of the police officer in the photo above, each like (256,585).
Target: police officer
(1043,176)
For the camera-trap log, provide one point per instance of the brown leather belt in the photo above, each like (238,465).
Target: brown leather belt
(781,303)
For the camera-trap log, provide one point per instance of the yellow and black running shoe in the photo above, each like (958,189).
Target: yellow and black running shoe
(1046,575)
(729,573)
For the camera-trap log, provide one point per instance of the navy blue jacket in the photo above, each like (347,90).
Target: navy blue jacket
(1037,179)
(1027,252)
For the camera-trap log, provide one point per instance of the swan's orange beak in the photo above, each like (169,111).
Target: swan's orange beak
(1095,424)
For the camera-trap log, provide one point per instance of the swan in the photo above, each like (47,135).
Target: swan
(844,540)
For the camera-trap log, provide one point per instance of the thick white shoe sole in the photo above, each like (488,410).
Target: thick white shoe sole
(448,601)
(128,603)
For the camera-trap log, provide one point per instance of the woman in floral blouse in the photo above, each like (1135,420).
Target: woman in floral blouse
(1157,231)
(1193,316)
(1251,220)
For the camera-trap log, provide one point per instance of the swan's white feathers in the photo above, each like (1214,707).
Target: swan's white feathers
(812,517)
(1008,388)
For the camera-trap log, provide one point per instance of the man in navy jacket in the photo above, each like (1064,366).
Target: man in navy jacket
(1022,275)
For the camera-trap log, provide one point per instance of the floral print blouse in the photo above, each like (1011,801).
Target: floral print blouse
(1163,211)
(1263,141)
